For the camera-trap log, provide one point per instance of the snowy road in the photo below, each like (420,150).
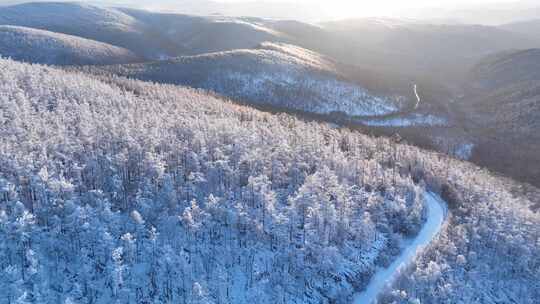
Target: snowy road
(384,277)
(417,97)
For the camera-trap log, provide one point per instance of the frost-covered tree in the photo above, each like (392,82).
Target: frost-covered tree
(120,191)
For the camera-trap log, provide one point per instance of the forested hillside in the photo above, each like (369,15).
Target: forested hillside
(505,69)
(85,21)
(38,46)
(194,34)
(277,75)
(502,106)
(149,35)
(114,190)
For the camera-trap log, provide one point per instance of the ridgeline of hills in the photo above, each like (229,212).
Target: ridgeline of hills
(39,46)
(527,28)
(273,75)
(503,104)
(138,31)
(395,46)
(443,52)
(505,69)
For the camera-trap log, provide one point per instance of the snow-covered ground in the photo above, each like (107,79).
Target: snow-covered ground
(407,121)
(464,151)
(76,16)
(278,75)
(436,208)
(294,88)
(40,46)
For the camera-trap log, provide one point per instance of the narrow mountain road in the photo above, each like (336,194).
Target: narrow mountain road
(417,97)
(383,278)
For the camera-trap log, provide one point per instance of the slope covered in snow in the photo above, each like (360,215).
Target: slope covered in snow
(409,120)
(276,75)
(193,35)
(151,35)
(78,19)
(39,46)
(115,190)
(164,194)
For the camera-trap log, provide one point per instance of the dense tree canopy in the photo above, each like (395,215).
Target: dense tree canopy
(114,190)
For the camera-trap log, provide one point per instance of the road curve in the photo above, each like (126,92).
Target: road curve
(436,214)
(417,97)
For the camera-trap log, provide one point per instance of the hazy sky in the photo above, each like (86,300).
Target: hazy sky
(462,11)
(347,8)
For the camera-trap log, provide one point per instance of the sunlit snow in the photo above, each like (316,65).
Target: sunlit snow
(436,209)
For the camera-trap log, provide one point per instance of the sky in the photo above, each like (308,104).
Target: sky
(490,12)
(352,8)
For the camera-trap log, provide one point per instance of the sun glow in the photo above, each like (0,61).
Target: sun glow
(345,9)
(340,9)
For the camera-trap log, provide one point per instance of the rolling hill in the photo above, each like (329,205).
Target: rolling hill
(445,52)
(506,69)
(276,75)
(86,21)
(39,46)
(527,28)
(150,35)
(387,46)
(503,109)
(194,35)
(505,88)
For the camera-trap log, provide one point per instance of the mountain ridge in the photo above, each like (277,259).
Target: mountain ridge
(39,46)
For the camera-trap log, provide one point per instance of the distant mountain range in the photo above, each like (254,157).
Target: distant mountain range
(150,35)
(413,47)
(388,45)
(86,21)
(528,28)
(307,12)
(495,13)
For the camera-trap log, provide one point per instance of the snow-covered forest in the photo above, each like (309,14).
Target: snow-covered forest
(39,46)
(119,191)
(275,75)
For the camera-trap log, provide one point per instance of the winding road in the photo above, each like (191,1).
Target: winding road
(383,278)
(417,97)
